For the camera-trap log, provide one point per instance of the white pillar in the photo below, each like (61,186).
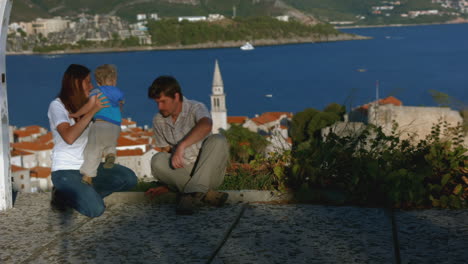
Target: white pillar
(5,172)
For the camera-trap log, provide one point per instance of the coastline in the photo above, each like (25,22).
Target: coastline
(208,45)
(452,22)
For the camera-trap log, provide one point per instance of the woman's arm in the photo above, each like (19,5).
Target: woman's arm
(86,108)
(70,133)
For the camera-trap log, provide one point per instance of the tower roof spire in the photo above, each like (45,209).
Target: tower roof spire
(217,79)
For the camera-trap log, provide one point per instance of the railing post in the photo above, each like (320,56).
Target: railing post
(5,172)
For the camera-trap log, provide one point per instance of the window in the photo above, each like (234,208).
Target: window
(22,176)
(22,186)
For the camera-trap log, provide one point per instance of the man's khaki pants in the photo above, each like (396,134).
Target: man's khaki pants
(207,172)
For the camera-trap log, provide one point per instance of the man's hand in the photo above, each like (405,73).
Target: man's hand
(86,179)
(177,159)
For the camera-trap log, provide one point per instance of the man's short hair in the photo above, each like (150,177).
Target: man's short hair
(105,74)
(164,85)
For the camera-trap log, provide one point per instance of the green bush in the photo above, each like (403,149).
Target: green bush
(374,169)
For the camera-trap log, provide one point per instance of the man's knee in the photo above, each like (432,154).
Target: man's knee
(217,140)
(158,162)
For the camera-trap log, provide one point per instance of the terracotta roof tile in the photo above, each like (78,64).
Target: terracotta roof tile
(17,152)
(40,172)
(269,117)
(236,119)
(45,138)
(27,131)
(123,141)
(129,152)
(126,122)
(389,100)
(15,168)
(34,146)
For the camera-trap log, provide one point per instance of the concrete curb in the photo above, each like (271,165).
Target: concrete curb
(242,196)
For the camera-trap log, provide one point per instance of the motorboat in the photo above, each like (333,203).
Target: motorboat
(269,95)
(247,46)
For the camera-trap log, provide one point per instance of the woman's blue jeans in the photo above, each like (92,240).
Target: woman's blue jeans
(87,199)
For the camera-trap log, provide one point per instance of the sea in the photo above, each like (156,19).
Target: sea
(405,62)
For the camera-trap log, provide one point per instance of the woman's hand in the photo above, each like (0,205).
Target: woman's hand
(99,102)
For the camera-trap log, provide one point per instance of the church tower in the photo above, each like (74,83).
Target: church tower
(218,102)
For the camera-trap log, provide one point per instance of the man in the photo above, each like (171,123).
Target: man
(192,160)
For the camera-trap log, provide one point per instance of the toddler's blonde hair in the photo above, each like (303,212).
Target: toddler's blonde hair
(105,74)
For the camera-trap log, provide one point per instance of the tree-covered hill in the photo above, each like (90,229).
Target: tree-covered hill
(323,10)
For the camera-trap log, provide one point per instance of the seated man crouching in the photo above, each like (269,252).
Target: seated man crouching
(193,161)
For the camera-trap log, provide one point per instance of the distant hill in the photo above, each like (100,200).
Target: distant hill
(304,10)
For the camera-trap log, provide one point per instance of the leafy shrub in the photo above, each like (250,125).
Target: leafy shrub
(375,169)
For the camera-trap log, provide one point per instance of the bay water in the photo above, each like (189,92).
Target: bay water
(406,61)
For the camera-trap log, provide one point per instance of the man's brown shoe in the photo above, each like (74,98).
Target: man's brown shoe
(215,198)
(109,161)
(186,205)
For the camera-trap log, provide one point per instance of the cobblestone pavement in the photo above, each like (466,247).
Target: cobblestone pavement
(236,233)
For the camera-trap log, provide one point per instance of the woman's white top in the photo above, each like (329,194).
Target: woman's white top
(64,155)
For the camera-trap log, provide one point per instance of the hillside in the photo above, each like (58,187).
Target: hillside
(358,11)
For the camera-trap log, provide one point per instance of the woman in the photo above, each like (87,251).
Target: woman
(70,138)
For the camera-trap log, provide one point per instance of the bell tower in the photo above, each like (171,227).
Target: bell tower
(218,102)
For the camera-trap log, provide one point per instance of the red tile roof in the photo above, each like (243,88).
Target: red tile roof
(15,168)
(40,172)
(34,146)
(389,100)
(269,117)
(130,152)
(45,138)
(236,119)
(17,152)
(126,122)
(123,141)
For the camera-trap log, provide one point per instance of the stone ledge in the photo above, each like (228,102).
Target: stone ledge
(242,196)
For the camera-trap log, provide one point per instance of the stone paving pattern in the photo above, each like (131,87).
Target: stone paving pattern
(237,233)
(433,236)
(310,234)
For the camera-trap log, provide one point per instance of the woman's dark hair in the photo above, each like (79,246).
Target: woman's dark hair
(166,85)
(72,94)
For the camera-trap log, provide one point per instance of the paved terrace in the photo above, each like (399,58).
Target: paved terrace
(139,231)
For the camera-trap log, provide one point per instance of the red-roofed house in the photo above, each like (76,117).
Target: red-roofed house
(275,126)
(414,122)
(20,179)
(268,121)
(23,158)
(29,133)
(124,143)
(42,151)
(41,179)
(236,120)
(127,123)
(138,161)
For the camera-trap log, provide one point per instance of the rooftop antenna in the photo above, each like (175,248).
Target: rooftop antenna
(376,100)
(377,91)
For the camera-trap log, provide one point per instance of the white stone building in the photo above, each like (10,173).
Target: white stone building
(24,159)
(191,18)
(46,26)
(41,151)
(41,180)
(218,102)
(20,179)
(138,161)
